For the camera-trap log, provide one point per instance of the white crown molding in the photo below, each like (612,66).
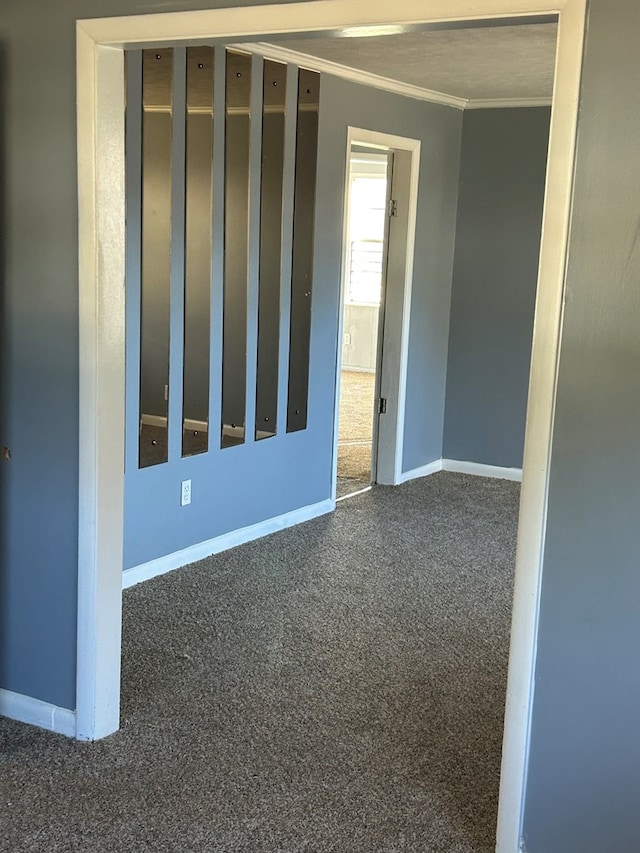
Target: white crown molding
(355,75)
(506,103)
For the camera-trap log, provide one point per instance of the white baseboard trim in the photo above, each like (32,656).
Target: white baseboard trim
(26,709)
(478,470)
(422,471)
(459,467)
(162,565)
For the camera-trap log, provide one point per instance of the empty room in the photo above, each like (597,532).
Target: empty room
(202,648)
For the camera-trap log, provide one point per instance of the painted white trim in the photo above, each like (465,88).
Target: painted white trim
(26,709)
(169,563)
(506,103)
(422,471)
(101,266)
(540,421)
(354,75)
(479,470)
(100,95)
(233,23)
(406,307)
(341,303)
(389,457)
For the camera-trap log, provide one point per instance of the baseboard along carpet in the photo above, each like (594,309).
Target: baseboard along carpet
(337,686)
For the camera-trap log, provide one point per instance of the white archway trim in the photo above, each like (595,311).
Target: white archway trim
(100,44)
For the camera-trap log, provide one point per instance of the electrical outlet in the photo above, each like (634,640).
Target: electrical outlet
(347,339)
(185,493)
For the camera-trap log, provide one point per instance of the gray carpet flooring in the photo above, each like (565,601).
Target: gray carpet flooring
(338,686)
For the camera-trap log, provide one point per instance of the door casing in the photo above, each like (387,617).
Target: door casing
(391,371)
(100,48)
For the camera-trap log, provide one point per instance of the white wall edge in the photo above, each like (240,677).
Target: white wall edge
(422,471)
(354,75)
(478,470)
(101,278)
(26,709)
(416,152)
(178,559)
(545,353)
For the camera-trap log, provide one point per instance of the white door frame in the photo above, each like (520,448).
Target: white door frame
(390,448)
(100,121)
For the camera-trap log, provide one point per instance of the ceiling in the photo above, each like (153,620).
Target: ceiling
(493,63)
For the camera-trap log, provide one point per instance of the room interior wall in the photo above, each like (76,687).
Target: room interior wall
(584,749)
(499,221)
(582,788)
(39,338)
(301,462)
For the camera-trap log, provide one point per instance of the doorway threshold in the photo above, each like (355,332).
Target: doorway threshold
(353,494)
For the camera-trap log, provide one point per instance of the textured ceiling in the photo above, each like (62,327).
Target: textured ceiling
(480,63)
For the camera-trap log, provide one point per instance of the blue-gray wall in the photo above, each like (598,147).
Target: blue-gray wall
(502,176)
(583,787)
(241,486)
(39,339)
(39,335)
(585,750)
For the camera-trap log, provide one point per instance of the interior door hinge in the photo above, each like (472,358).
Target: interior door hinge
(392,210)
(382,405)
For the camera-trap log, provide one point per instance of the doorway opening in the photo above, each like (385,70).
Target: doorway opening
(101,223)
(379,228)
(360,402)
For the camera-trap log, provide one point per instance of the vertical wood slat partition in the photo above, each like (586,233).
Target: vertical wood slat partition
(176,315)
(236,244)
(253,248)
(156,257)
(199,154)
(302,251)
(286,261)
(271,210)
(217,249)
(236,211)
(133,202)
